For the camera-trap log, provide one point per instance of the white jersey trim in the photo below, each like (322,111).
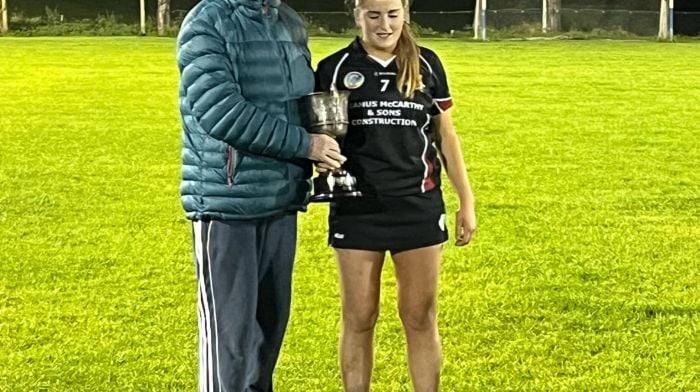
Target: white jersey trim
(424,155)
(337,70)
(383,63)
(427,64)
(437,101)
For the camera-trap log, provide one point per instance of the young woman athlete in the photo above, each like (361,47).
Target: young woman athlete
(400,127)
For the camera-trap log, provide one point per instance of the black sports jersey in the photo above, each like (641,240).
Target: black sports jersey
(390,140)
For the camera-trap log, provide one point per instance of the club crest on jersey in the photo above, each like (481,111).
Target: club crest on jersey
(354,80)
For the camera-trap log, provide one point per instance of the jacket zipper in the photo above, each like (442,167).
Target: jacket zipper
(230,165)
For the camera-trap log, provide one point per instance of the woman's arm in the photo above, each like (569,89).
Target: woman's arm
(453,160)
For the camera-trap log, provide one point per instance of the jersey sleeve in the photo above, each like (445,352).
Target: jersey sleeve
(440,90)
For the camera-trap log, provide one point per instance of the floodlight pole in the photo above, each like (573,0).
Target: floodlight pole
(483,20)
(670,20)
(666,20)
(477,19)
(4,27)
(544,16)
(143,16)
(663,21)
(480,20)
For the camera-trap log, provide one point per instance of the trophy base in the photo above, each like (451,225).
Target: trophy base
(334,186)
(327,197)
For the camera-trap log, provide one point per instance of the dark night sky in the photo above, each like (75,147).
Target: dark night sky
(91,7)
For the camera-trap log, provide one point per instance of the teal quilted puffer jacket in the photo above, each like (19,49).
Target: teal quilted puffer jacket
(243,65)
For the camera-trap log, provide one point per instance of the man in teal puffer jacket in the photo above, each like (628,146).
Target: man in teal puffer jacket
(246,162)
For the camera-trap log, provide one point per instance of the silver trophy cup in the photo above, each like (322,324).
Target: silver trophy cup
(327,113)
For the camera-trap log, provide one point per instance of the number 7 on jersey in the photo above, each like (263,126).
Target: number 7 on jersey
(385,84)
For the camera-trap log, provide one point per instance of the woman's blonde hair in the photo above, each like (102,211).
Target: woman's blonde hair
(407,58)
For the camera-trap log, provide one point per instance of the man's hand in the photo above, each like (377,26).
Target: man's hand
(325,150)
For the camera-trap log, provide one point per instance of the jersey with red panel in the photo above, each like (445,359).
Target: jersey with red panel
(390,142)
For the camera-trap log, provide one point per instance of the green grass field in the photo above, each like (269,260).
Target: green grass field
(584,274)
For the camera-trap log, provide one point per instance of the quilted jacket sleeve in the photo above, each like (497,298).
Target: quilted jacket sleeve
(211,94)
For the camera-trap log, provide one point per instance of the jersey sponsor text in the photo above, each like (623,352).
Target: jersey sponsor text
(401,122)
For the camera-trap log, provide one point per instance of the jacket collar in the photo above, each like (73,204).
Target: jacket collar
(255,8)
(257,4)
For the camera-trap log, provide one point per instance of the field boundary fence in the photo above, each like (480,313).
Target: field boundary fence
(485,21)
(520,22)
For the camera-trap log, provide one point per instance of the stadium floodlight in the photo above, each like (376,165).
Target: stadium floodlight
(143,16)
(4,27)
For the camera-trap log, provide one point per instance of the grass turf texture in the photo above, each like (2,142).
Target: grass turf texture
(584,158)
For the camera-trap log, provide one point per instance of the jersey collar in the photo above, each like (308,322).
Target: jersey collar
(357,49)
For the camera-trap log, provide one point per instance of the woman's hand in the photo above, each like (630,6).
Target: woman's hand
(453,161)
(465,225)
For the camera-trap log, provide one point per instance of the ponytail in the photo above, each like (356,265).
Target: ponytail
(408,63)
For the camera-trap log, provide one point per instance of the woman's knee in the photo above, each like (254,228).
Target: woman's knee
(418,317)
(360,320)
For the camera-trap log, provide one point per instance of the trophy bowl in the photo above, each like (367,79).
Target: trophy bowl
(327,113)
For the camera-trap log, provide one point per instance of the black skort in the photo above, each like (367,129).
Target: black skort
(381,223)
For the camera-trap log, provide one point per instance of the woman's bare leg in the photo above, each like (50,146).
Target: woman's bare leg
(417,273)
(360,283)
